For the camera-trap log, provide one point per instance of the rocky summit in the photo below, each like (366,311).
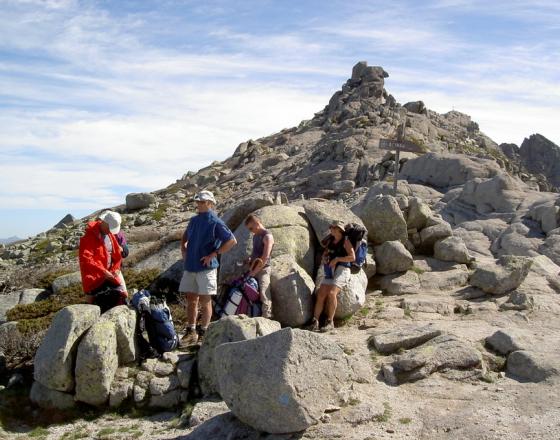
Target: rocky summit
(450,331)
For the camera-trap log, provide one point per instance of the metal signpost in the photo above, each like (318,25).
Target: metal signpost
(399,145)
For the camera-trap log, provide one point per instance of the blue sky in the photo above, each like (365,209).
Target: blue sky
(100,98)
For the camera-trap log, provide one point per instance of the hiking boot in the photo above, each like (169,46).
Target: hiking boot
(328,327)
(190,338)
(314,326)
(201,333)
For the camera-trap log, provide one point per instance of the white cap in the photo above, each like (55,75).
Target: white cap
(113,219)
(205,196)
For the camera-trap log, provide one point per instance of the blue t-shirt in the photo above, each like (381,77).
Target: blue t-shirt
(205,234)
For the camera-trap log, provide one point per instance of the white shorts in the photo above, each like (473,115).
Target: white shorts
(201,283)
(340,279)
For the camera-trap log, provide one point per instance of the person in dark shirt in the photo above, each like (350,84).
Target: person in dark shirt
(263,241)
(205,238)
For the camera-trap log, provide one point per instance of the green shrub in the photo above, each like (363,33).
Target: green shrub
(33,319)
(158,214)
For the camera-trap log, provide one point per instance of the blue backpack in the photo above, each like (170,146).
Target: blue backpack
(361,254)
(157,321)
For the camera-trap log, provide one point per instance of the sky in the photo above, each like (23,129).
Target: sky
(102,98)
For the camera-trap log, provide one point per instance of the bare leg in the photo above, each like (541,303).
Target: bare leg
(206,309)
(320,302)
(192,309)
(332,302)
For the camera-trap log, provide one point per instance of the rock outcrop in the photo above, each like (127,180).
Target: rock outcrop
(282,382)
(54,361)
(228,329)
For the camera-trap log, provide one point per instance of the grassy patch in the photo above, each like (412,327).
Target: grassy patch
(405,420)
(407,313)
(25,313)
(364,311)
(38,432)
(140,279)
(418,270)
(387,412)
(159,213)
(45,282)
(353,401)
(75,435)
(105,432)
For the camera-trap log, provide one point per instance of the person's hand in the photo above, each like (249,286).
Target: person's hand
(333,263)
(109,276)
(208,259)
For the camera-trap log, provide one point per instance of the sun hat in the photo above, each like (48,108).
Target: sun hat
(338,224)
(205,196)
(113,219)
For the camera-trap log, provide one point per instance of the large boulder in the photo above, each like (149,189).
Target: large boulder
(65,281)
(501,193)
(500,278)
(67,220)
(351,297)
(292,235)
(533,366)
(444,352)
(235,214)
(401,283)
(506,341)
(227,329)
(321,214)
(418,213)
(283,382)
(390,341)
(383,218)
(54,359)
(124,319)
(7,302)
(391,257)
(292,292)
(446,170)
(452,249)
(136,201)
(432,233)
(96,363)
(50,399)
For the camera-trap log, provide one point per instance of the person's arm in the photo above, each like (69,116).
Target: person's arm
(184,242)
(225,247)
(350,255)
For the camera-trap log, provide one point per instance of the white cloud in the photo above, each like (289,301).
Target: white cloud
(90,93)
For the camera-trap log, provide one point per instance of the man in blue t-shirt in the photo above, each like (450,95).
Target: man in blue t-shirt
(205,238)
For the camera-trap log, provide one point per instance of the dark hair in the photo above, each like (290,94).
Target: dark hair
(252,218)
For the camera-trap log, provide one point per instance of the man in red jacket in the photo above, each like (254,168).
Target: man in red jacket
(100,256)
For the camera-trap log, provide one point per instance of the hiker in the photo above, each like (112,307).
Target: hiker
(337,259)
(205,238)
(263,241)
(100,258)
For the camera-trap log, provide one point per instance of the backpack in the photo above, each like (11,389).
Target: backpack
(242,298)
(356,234)
(157,321)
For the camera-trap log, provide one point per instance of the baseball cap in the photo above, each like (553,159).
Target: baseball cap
(113,219)
(205,196)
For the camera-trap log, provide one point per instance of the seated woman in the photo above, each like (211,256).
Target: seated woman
(337,258)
